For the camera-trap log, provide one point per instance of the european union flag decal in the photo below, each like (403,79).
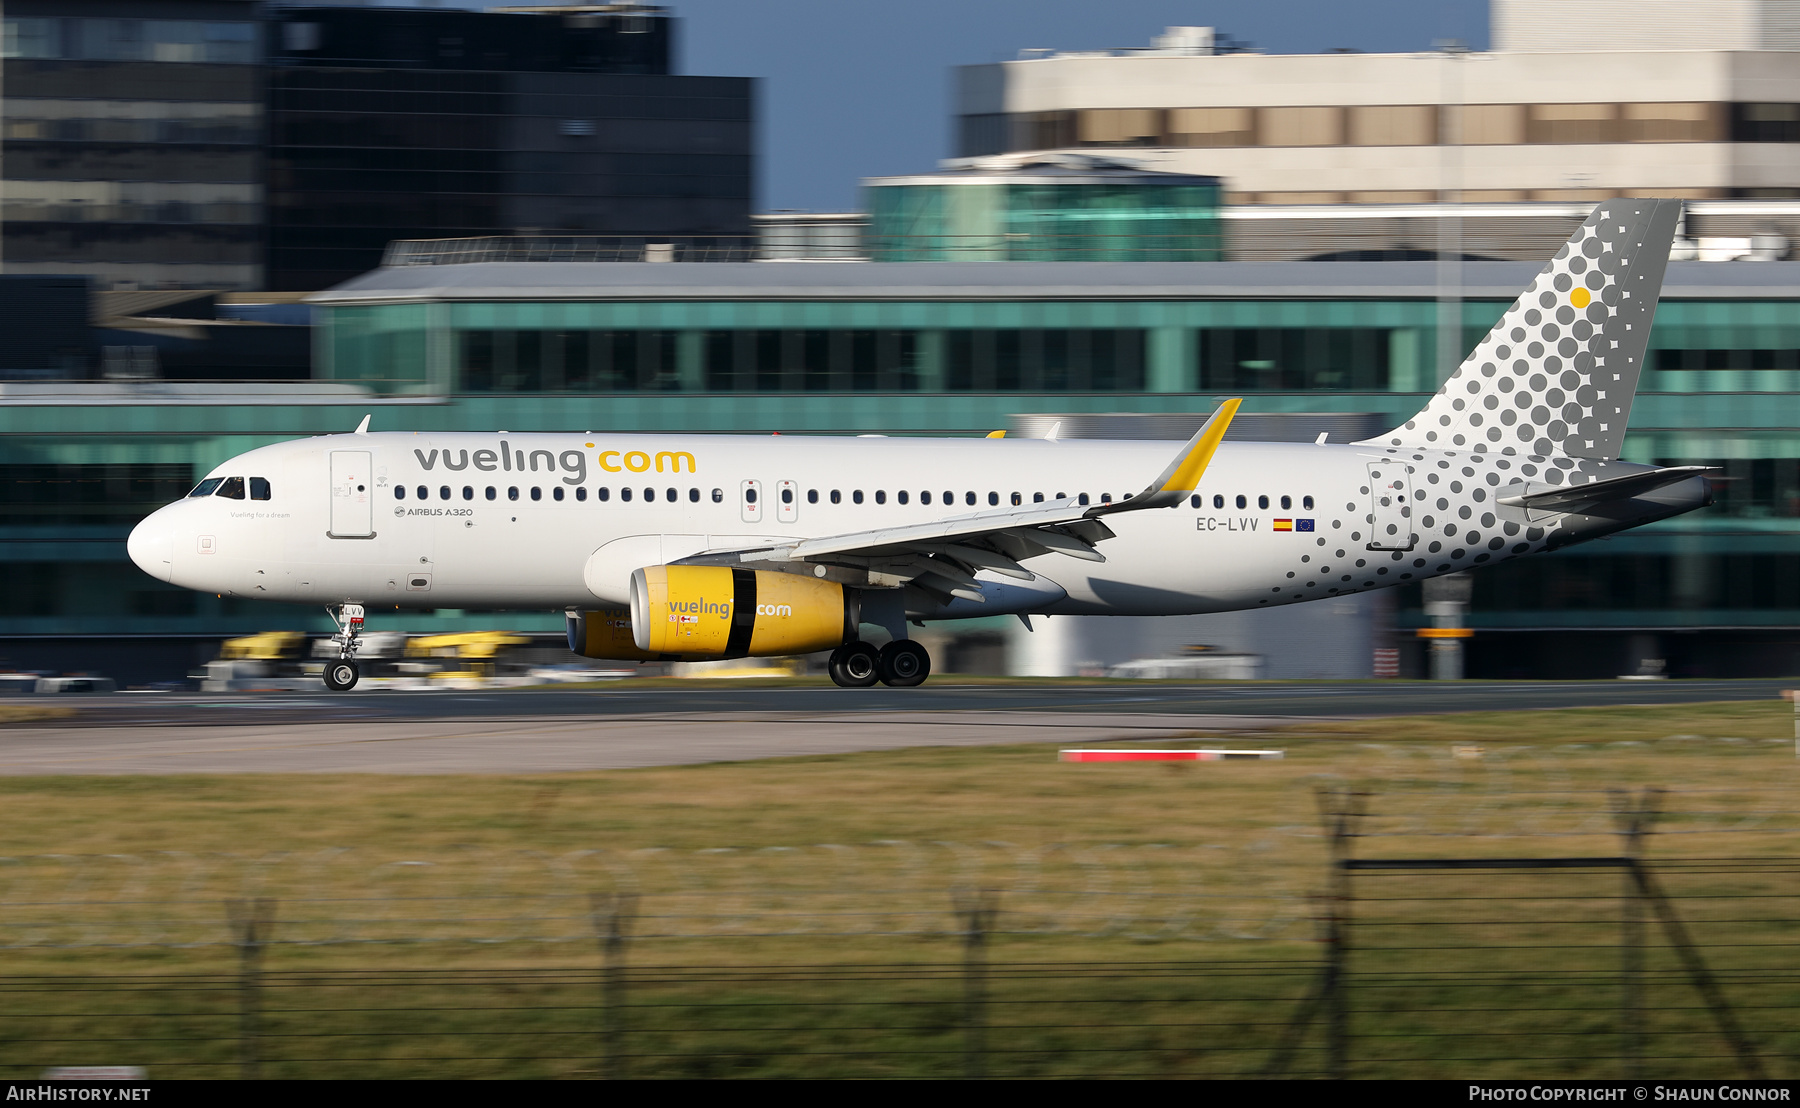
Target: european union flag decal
(1303,525)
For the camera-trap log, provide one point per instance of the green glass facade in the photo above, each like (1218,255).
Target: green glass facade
(1720,390)
(1147,218)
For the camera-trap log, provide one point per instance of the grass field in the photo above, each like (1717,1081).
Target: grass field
(1143,909)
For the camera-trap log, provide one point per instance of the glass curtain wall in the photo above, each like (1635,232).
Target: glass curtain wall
(1045,221)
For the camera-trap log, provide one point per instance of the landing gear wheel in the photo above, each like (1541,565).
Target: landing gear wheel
(855,665)
(904,664)
(341,675)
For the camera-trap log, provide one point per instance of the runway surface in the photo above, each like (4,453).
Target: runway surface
(548,731)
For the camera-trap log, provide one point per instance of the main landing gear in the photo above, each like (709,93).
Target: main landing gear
(900,664)
(341,675)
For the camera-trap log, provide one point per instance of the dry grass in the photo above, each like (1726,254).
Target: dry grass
(1239,830)
(33,713)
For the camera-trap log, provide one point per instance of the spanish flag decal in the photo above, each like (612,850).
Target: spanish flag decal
(1284,525)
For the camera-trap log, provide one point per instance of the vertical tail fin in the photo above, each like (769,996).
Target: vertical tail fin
(1557,374)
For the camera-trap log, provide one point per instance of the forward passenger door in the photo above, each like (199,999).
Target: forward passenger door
(352,501)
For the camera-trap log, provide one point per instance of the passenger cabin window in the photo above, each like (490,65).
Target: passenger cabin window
(232,488)
(1082,499)
(399,492)
(837,497)
(581,493)
(537,493)
(1218,501)
(424,493)
(603,494)
(1306,502)
(490,492)
(1262,502)
(1194,501)
(694,496)
(993,499)
(259,488)
(881,496)
(207,487)
(900,496)
(856,497)
(1286,503)
(468,492)
(812,496)
(1241,502)
(719,496)
(625,494)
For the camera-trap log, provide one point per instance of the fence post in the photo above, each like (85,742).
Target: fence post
(975,910)
(613,914)
(1339,809)
(1632,817)
(251,922)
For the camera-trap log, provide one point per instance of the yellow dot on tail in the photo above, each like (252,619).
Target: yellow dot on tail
(1579,298)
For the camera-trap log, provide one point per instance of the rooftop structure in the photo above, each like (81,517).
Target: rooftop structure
(1057,207)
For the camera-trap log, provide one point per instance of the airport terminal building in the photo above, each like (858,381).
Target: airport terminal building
(1344,348)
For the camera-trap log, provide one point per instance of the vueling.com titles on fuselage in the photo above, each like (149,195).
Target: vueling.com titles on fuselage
(505,459)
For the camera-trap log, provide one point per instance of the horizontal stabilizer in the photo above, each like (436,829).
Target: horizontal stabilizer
(1568,498)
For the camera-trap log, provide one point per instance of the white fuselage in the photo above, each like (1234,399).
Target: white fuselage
(336,526)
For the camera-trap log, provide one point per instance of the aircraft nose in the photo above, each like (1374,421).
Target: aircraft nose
(152,545)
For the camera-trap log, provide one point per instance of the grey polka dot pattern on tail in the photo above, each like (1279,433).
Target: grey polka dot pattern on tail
(1557,374)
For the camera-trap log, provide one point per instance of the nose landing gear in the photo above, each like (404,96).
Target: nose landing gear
(342,675)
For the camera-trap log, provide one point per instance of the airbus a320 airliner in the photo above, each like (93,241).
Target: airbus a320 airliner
(712,546)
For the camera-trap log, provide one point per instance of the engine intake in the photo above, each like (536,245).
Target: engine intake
(723,612)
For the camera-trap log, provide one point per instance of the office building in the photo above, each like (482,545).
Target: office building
(1695,101)
(403,123)
(133,142)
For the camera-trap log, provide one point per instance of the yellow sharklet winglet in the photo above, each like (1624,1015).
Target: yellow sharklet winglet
(996,434)
(1183,474)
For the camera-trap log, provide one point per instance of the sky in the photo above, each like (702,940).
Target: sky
(852,88)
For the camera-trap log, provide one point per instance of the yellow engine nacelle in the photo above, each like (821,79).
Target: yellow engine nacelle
(724,612)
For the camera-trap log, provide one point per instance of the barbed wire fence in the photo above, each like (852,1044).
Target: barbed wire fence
(1504,944)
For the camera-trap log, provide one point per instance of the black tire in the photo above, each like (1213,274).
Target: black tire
(855,665)
(341,675)
(904,664)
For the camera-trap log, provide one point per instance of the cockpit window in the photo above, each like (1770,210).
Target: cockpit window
(259,488)
(232,488)
(206,487)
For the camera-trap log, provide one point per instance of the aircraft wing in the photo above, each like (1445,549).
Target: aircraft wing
(943,555)
(1568,498)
